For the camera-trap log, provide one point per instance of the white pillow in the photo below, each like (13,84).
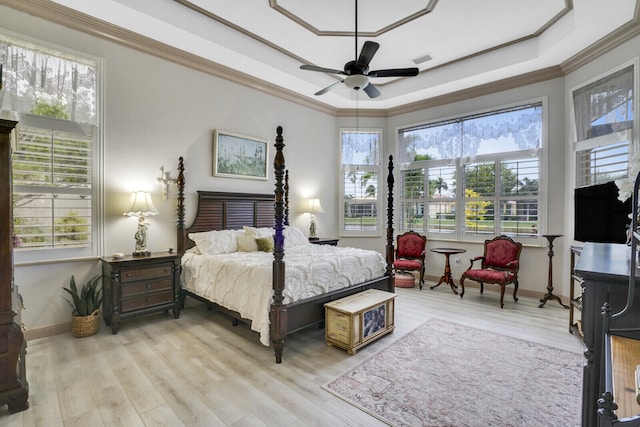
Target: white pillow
(217,241)
(257,233)
(193,250)
(247,243)
(293,236)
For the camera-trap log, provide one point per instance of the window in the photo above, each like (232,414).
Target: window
(54,150)
(472,177)
(603,113)
(360,177)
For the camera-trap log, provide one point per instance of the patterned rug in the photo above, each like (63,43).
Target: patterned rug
(445,374)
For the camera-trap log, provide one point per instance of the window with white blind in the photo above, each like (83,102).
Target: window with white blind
(360,181)
(472,177)
(54,150)
(603,112)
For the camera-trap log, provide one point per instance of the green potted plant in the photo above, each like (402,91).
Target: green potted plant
(85,305)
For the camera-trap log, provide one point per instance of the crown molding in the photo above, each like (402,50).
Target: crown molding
(70,18)
(79,21)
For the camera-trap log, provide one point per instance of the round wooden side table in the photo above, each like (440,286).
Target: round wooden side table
(446,277)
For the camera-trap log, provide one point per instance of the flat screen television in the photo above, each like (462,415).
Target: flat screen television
(599,215)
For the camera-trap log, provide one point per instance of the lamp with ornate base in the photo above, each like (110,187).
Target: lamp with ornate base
(313,207)
(141,206)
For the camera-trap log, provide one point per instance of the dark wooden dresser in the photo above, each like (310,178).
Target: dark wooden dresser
(604,269)
(134,286)
(14,389)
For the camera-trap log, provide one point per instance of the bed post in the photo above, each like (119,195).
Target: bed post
(390,248)
(278,312)
(286,197)
(181,228)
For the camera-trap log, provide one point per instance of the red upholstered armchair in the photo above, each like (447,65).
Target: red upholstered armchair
(410,249)
(499,265)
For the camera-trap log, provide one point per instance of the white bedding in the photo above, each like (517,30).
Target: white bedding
(242,281)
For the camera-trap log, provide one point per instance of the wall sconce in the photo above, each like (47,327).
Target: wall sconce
(141,206)
(164,179)
(313,207)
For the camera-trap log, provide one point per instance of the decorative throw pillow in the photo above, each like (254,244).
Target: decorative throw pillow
(257,232)
(265,244)
(216,241)
(247,244)
(293,236)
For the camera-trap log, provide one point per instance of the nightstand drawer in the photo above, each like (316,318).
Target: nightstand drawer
(146,300)
(165,284)
(133,274)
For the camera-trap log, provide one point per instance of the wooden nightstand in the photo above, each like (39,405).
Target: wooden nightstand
(325,241)
(134,286)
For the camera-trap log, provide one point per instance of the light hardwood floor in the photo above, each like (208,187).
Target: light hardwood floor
(201,371)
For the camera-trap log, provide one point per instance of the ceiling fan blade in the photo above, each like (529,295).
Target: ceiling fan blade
(371,90)
(366,54)
(328,88)
(321,69)
(394,72)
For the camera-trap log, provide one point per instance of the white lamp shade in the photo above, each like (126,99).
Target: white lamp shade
(141,205)
(313,206)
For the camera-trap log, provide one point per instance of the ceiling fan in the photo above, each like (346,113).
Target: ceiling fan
(357,71)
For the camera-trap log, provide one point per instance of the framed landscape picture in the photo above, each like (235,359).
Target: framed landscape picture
(238,156)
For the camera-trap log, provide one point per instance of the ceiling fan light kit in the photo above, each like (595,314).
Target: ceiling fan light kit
(357,71)
(357,81)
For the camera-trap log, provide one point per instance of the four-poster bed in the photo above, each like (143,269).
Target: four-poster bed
(220,213)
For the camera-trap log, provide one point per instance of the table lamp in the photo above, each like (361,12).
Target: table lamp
(141,206)
(313,207)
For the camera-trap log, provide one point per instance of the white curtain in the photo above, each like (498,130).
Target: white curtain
(604,106)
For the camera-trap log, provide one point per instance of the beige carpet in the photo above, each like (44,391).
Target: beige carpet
(445,374)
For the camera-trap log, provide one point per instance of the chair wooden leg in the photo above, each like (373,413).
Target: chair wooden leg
(515,290)
(462,286)
(502,296)
(481,287)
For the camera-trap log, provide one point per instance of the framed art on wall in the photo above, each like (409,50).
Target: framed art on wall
(238,156)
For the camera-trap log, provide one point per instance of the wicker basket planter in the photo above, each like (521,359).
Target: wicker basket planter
(84,326)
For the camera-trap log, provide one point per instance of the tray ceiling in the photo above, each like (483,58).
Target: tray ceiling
(456,44)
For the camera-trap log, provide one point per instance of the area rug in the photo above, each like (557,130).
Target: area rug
(446,374)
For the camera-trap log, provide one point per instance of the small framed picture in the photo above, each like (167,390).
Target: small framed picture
(374,320)
(238,156)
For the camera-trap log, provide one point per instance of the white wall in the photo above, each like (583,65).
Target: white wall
(156,111)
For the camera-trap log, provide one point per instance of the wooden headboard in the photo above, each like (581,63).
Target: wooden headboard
(225,211)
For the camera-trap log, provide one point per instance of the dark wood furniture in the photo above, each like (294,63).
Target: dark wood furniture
(134,286)
(618,402)
(604,268)
(324,241)
(575,298)
(549,295)
(446,277)
(218,211)
(14,389)
(499,265)
(410,253)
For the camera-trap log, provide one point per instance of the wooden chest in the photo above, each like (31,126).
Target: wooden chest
(355,321)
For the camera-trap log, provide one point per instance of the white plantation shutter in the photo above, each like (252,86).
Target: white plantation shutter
(53,185)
